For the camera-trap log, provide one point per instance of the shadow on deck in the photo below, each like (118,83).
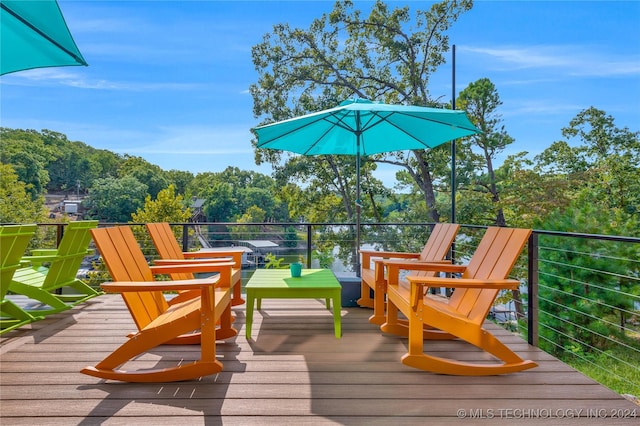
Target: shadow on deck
(294,372)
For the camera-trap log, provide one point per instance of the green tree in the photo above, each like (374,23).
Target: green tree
(290,237)
(584,283)
(167,207)
(75,165)
(254,214)
(16,204)
(230,193)
(528,197)
(26,152)
(331,199)
(149,174)
(330,187)
(388,55)
(221,205)
(179,179)
(104,164)
(48,162)
(115,199)
(481,101)
(70,172)
(600,161)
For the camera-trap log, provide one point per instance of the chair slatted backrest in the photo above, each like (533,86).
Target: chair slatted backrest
(126,262)
(14,240)
(438,245)
(494,258)
(71,251)
(167,246)
(441,236)
(164,240)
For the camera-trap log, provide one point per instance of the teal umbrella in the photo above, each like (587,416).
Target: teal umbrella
(34,34)
(362,127)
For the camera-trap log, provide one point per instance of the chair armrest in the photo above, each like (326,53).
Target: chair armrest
(44,252)
(230,252)
(368,255)
(409,264)
(505,284)
(421,265)
(395,266)
(389,254)
(39,259)
(193,268)
(203,255)
(418,285)
(164,262)
(236,254)
(138,286)
(40,256)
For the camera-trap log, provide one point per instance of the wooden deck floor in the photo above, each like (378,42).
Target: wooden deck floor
(295,372)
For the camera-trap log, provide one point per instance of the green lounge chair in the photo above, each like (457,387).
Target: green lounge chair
(13,243)
(41,282)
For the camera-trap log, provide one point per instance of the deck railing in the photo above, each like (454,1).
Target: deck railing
(579,298)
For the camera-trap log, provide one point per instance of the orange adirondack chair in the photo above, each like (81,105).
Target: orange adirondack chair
(462,315)
(435,250)
(186,322)
(171,254)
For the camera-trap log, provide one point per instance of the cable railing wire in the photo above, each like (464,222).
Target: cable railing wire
(566,293)
(587,360)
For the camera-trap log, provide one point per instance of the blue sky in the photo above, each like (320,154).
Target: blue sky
(168,80)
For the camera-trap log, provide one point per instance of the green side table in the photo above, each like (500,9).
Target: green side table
(278,284)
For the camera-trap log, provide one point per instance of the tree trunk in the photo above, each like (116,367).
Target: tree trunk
(423,179)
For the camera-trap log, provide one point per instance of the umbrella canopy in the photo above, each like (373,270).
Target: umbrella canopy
(34,34)
(362,127)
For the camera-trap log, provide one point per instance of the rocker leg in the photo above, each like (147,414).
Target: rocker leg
(378,316)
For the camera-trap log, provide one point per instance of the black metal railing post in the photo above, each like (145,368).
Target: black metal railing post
(309,246)
(59,233)
(532,290)
(185,238)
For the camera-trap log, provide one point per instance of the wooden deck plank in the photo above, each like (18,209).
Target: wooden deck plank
(295,372)
(295,421)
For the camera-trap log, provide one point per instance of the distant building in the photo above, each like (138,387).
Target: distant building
(259,249)
(197,215)
(70,207)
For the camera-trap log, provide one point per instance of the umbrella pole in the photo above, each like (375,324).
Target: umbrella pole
(358,202)
(358,206)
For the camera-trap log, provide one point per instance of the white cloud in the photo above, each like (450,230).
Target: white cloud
(75,77)
(541,107)
(181,140)
(570,60)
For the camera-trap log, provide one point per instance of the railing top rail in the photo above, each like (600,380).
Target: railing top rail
(589,236)
(618,238)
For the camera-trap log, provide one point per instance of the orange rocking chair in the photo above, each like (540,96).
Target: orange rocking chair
(171,254)
(463,314)
(186,322)
(435,250)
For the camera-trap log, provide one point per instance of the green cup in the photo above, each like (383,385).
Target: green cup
(296,269)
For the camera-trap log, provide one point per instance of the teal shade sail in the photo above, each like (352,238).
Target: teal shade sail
(34,34)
